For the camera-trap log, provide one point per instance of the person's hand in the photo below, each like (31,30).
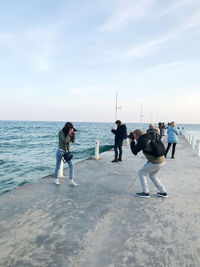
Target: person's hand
(71,131)
(131,136)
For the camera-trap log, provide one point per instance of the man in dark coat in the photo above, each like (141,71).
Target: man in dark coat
(120,134)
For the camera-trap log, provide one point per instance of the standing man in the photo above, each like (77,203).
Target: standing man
(120,134)
(153,131)
(151,168)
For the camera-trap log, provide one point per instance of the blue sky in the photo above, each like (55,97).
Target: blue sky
(64,60)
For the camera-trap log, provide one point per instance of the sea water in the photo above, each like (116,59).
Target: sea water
(28,148)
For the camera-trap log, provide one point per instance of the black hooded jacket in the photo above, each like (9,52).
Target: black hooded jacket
(120,134)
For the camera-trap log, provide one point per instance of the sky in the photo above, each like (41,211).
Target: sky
(65,60)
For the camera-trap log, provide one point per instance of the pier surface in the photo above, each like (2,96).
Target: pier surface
(101,222)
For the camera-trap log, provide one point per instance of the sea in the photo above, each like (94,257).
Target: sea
(28,148)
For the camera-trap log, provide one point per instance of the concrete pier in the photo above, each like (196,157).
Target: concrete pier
(101,222)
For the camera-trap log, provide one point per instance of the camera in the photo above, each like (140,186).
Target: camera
(131,136)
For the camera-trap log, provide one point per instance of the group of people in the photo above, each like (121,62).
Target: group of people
(138,142)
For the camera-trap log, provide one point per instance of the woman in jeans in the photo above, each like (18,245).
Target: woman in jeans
(66,136)
(172,138)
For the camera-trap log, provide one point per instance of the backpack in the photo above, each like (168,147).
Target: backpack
(157,146)
(125,132)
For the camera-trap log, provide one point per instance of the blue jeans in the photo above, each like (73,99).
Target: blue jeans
(116,147)
(59,155)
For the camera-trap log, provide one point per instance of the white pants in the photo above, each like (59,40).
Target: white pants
(151,170)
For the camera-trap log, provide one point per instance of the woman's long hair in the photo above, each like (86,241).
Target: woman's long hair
(66,128)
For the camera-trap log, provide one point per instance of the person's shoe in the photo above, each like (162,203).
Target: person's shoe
(120,158)
(115,160)
(159,194)
(72,183)
(57,182)
(173,157)
(143,194)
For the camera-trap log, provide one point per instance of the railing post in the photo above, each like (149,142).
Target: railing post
(97,150)
(127,141)
(191,139)
(187,135)
(198,147)
(60,172)
(193,142)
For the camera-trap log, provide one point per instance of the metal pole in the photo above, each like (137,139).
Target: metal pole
(97,150)
(141,116)
(116,107)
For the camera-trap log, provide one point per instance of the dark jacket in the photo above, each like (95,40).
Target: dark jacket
(153,132)
(144,143)
(120,134)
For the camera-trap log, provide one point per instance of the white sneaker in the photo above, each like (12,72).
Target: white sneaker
(73,183)
(57,182)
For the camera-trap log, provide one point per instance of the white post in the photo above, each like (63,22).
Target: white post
(198,147)
(193,142)
(97,150)
(60,172)
(186,135)
(191,139)
(127,142)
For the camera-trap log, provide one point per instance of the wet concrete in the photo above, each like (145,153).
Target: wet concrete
(101,222)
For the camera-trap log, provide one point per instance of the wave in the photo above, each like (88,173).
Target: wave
(2,162)
(23,183)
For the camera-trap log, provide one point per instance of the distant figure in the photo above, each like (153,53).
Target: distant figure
(160,128)
(151,168)
(120,134)
(154,131)
(163,129)
(172,138)
(66,136)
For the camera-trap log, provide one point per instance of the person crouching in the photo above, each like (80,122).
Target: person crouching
(151,168)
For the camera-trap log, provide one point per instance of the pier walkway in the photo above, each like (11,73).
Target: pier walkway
(101,222)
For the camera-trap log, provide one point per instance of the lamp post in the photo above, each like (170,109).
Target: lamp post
(116,107)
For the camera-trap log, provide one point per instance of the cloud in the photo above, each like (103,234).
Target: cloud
(127,11)
(144,50)
(177,5)
(37,45)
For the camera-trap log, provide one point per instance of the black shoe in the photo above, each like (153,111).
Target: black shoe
(173,157)
(143,194)
(162,195)
(115,160)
